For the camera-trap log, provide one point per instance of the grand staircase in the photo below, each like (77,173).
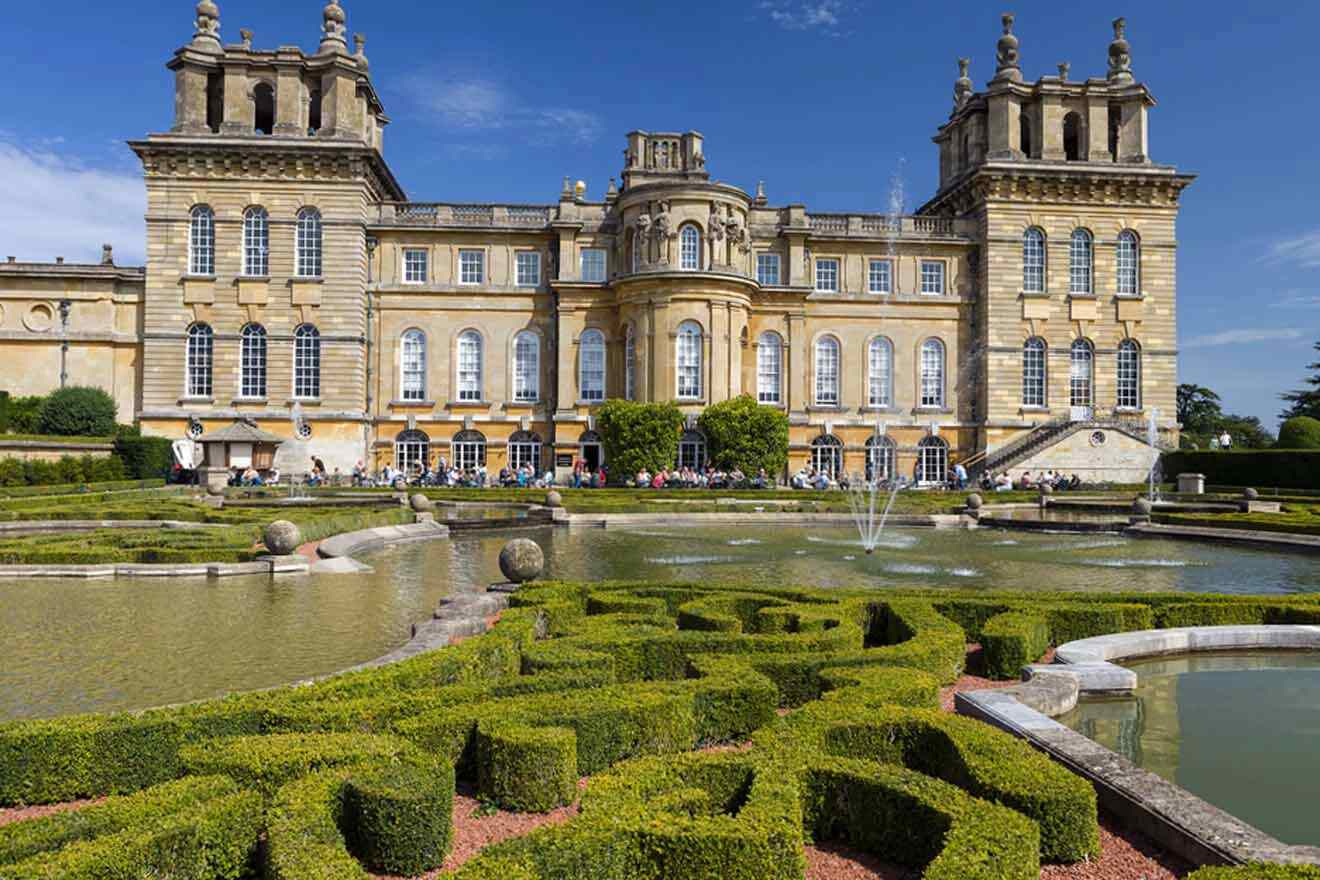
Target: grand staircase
(1043,435)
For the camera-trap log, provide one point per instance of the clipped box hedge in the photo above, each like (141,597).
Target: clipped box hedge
(1275,468)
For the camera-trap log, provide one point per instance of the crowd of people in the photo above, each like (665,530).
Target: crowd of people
(696,478)
(1055,480)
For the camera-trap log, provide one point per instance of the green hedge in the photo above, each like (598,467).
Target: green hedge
(145,458)
(1285,469)
(1258,872)
(742,434)
(1012,640)
(638,435)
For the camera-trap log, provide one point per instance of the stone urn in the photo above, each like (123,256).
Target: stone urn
(554,500)
(521,561)
(1142,507)
(1250,494)
(281,538)
(1046,489)
(974,502)
(422,504)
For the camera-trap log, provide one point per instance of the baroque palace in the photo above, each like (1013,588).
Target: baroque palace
(291,282)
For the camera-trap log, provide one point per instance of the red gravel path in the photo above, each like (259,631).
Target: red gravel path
(19,814)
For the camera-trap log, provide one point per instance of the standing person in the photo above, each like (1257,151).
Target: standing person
(1226,440)
(960,474)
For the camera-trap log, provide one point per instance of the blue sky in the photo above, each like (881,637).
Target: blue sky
(823,99)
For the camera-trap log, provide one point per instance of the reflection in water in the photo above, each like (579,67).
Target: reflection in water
(73,646)
(1238,730)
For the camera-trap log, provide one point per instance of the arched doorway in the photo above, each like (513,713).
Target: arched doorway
(591,450)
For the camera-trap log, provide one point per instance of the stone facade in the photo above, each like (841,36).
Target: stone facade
(485,332)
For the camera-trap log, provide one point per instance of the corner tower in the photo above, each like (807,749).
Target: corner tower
(1076,322)
(256,275)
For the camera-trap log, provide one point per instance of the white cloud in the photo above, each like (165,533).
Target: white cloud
(806,15)
(56,205)
(484,105)
(1303,251)
(1297,299)
(1243,337)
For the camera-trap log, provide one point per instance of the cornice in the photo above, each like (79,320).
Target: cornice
(1068,183)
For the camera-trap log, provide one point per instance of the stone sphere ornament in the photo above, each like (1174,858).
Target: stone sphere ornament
(1250,494)
(1046,489)
(422,504)
(521,561)
(282,538)
(974,501)
(1142,507)
(553,499)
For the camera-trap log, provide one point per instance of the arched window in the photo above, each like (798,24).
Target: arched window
(1080,263)
(525,451)
(827,455)
(412,451)
(827,371)
(1081,358)
(1129,375)
(1024,132)
(1033,261)
(1128,257)
(879,459)
(309,243)
(769,368)
(263,100)
(689,361)
(526,367)
(469,366)
(932,373)
(200,357)
(689,248)
(256,242)
(591,450)
(630,363)
(252,362)
(932,461)
(692,450)
(1033,372)
(412,365)
(201,241)
(880,372)
(1072,137)
(469,450)
(591,366)
(306,361)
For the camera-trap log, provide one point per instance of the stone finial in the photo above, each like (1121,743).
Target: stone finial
(612,191)
(962,87)
(567,191)
(207,36)
(1007,57)
(333,29)
(580,190)
(760,193)
(107,255)
(1120,54)
(245,35)
(1064,68)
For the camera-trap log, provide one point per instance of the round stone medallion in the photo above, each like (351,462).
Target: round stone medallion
(281,538)
(521,560)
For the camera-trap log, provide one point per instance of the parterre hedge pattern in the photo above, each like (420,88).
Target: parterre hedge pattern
(622,683)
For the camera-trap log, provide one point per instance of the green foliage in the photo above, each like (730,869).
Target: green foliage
(77,412)
(145,458)
(399,818)
(1013,640)
(638,435)
(1300,432)
(529,769)
(1202,420)
(1258,872)
(742,434)
(1286,469)
(24,414)
(1305,401)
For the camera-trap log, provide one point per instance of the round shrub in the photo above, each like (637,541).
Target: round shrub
(77,412)
(639,435)
(528,769)
(1302,432)
(399,819)
(743,434)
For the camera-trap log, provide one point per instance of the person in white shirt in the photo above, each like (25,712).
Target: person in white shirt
(1225,441)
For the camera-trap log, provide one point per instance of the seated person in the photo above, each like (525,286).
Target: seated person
(273,477)
(251,477)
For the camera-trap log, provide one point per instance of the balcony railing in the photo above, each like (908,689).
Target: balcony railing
(885,226)
(436,214)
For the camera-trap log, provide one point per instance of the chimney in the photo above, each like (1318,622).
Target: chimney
(13,259)
(107,255)
(59,261)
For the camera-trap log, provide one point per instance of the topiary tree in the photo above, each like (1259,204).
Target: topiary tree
(1302,432)
(742,434)
(77,412)
(638,435)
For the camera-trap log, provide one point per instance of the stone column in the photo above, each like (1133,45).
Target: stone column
(190,100)
(240,113)
(289,101)
(571,324)
(795,366)
(642,329)
(662,354)
(719,353)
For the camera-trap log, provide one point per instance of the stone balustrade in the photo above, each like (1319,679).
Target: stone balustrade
(887,226)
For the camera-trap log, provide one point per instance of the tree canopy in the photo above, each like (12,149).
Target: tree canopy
(1202,417)
(1305,402)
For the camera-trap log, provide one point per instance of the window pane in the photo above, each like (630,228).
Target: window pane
(412,451)
(827,372)
(529,269)
(827,274)
(881,372)
(769,368)
(307,362)
(469,366)
(471,267)
(879,278)
(630,365)
(689,362)
(1080,373)
(309,243)
(1129,375)
(593,265)
(200,352)
(256,242)
(932,276)
(1033,261)
(526,368)
(932,461)
(201,242)
(591,379)
(415,266)
(879,459)
(767,269)
(252,362)
(414,365)
(1079,268)
(690,248)
(932,373)
(1128,263)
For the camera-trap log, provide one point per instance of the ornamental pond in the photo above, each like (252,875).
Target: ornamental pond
(103,645)
(1237,730)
